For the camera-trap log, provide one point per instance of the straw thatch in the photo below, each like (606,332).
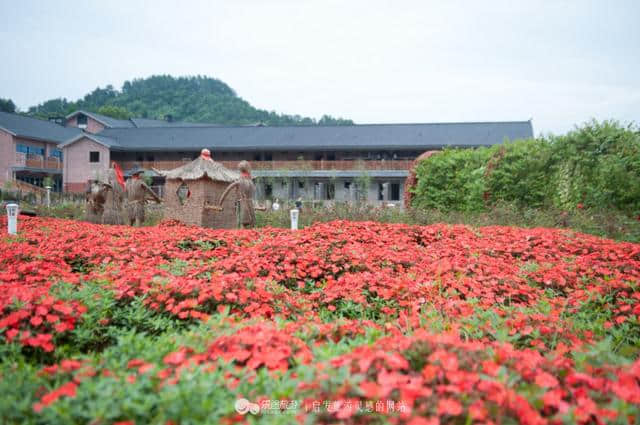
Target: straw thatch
(201,167)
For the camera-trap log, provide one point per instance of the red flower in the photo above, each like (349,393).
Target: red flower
(449,406)
(546,380)
(176,358)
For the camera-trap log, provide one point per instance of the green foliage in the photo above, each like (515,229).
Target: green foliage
(609,223)
(597,166)
(453,179)
(517,172)
(194,99)
(117,112)
(7,105)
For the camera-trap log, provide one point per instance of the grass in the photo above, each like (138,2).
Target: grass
(606,223)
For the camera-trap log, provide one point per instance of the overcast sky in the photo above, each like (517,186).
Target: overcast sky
(557,62)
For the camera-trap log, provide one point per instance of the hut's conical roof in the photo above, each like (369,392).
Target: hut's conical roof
(200,167)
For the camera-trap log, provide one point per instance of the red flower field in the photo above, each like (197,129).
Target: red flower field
(341,322)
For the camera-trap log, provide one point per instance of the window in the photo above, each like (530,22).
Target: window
(331,156)
(349,191)
(300,184)
(268,190)
(331,191)
(268,157)
(183,193)
(94,156)
(257,157)
(383,192)
(395,191)
(82,119)
(57,153)
(29,149)
(317,157)
(318,191)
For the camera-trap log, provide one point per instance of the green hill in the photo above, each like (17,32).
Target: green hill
(195,99)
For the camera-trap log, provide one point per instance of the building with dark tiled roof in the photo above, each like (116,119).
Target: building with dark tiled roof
(29,149)
(312,162)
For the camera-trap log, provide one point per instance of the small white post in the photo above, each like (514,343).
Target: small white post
(12,218)
(294,219)
(48,196)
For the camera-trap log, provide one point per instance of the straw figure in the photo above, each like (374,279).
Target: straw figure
(245,191)
(114,199)
(137,193)
(95,199)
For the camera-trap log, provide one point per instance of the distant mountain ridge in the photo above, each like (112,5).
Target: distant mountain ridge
(197,99)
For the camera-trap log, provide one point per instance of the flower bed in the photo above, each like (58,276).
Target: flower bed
(341,322)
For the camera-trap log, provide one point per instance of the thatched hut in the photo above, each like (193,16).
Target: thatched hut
(191,187)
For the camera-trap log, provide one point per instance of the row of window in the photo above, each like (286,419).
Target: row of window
(390,191)
(29,149)
(332,156)
(39,181)
(32,150)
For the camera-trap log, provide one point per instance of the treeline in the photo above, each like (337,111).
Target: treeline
(194,99)
(7,105)
(594,166)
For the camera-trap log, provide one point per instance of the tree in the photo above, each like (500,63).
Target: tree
(194,99)
(7,105)
(115,112)
(53,107)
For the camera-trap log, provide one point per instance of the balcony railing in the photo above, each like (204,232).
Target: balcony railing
(391,164)
(37,161)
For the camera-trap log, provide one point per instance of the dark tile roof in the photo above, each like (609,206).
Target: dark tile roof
(146,122)
(354,137)
(107,141)
(33,128)
(99,138)
(105,120)
(136,122)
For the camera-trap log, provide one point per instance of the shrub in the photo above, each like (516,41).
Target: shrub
(453,179)
(597,166)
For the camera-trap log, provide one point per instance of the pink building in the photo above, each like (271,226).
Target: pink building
(87,157)
(312,162)
(94,123)
(29,149)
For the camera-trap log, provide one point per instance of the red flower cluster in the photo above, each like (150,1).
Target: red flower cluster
(320,283)
(446,376)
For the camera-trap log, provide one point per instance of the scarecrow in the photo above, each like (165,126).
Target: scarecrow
(137,193)
(95,198)
(114,196)
(245,192)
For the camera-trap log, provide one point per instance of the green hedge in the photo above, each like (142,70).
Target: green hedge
(596,166)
